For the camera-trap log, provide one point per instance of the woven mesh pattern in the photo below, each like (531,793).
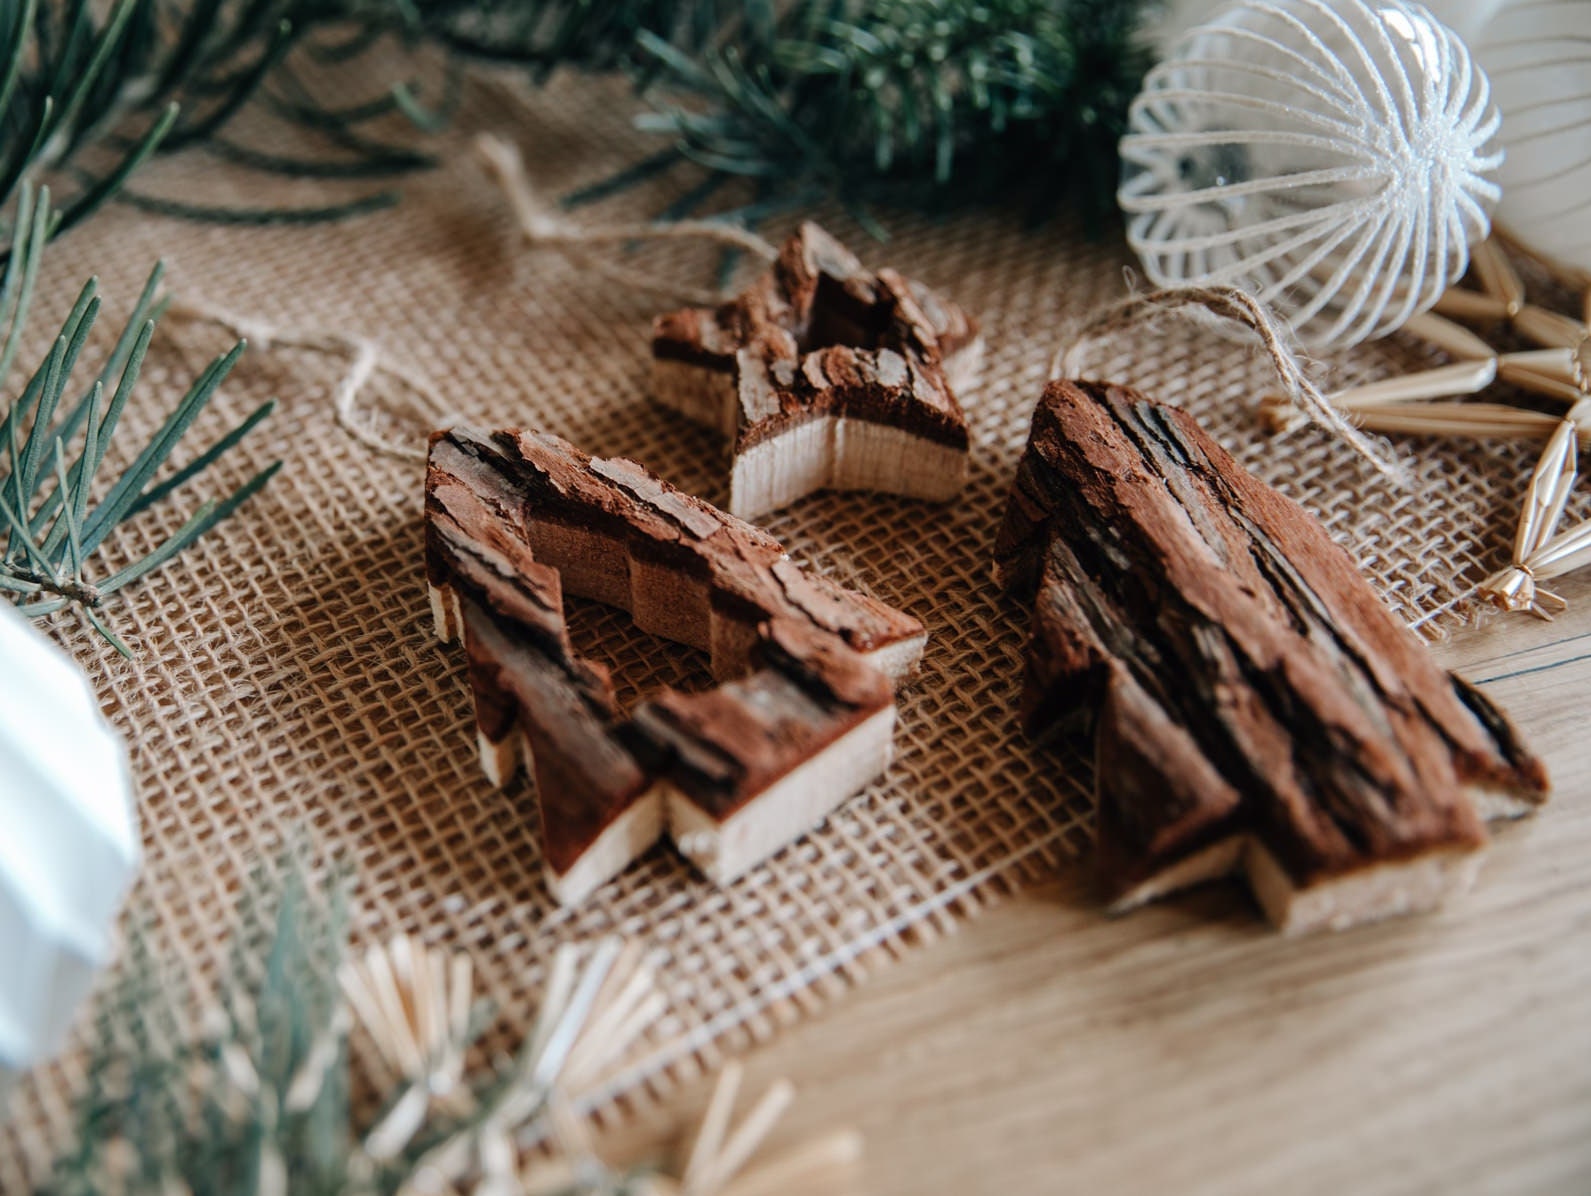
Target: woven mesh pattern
(285,676)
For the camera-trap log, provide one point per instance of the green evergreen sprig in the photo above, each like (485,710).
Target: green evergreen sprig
(60,75)
(53,444)
(116,83)
(90,91)
(943,101)
(162,1102)
(259,1098)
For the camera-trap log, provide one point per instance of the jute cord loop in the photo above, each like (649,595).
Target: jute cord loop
(365,361)
(543,226)
(1239,307)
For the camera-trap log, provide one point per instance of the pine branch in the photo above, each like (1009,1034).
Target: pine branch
(894,98)
(49,527)
(259,1099)
(80,80)
(947,101)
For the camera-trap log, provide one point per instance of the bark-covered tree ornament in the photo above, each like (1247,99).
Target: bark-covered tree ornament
(803,719)
(1254,707)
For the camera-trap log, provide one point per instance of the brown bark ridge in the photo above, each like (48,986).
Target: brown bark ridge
(805,717)
(1255,707)
(823,374)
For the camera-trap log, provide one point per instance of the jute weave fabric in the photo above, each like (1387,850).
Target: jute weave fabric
(285,677)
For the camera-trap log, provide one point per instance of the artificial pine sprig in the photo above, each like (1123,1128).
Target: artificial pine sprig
(52,447)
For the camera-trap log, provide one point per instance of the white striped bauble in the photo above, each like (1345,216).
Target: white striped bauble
(1332,157)
(1538,55)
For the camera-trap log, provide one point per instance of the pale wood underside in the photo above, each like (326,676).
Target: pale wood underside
(721,849)
(784,811)
(827,453)
(1367,895)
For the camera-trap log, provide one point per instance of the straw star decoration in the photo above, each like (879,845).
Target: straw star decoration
(260,1097)
(1433,403)
(415,1005)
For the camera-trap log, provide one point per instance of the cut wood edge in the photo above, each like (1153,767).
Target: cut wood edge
(825,452)
(790,807)
(701,394)
(898,661)
(1496,804)
(842,453)
(447,618)
(1364,895)
(1386,890)
(964,367)
(500,759)
(623,841)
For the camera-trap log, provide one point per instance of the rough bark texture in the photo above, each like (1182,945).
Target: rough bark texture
(513,519)
(1254,704)
(820,337)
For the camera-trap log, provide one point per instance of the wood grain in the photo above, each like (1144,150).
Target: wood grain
(1048,1048)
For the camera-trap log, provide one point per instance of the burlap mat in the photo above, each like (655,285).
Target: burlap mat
(285,676)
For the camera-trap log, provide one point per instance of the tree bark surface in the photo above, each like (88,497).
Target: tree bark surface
(514,519)
(1254,705)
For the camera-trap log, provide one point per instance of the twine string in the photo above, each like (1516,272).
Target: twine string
(544,226)
(365,361)
(1238,307)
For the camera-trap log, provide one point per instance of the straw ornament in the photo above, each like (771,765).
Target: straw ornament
(1332,158)
(414,1003)
(261,1100)
(1437,402)
(1541,552)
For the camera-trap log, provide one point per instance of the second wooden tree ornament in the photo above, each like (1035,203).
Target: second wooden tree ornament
(804,720)
(1255,707)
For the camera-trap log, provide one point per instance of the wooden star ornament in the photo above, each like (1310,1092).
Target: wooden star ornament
(824,375)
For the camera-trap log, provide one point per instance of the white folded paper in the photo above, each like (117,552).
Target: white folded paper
(68,842)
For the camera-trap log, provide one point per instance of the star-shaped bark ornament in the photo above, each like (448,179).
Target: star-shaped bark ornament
(516,519)
(824,375)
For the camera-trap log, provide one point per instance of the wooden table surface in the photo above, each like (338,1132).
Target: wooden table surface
(1188,1048)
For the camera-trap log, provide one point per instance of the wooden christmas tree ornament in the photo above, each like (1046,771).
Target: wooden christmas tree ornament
(1256,708)
(824,375)
(805,716)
